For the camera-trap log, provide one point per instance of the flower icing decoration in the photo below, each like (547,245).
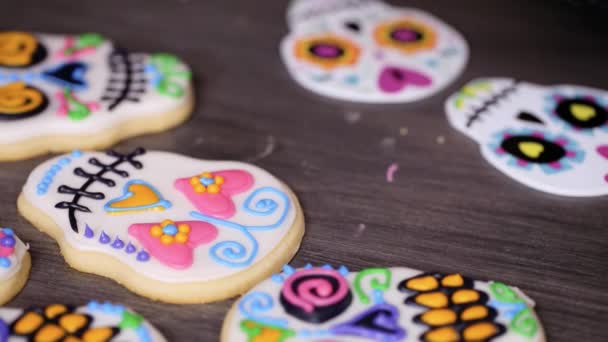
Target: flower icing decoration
(583,114)
(327,51)
(7,247)
(407,35)
(526,148)
(59,322)
(172,243)
(211,192)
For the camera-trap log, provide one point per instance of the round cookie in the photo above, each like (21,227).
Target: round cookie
(369,51)
(166,226)
(61,92)
(550,138)
(382,305)
(100,322)
(15,264)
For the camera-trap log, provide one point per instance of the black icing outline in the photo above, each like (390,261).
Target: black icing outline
(128,79)
(73,206)
(477,112)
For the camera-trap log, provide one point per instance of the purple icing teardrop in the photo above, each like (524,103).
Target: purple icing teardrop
(143,256)
(7,241)
(88,232)
(118,244)
(104,238)
(130,248)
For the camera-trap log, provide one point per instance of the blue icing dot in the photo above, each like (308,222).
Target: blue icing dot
(7,231)
(207,181)
(64,161)
(170,229)
(76,153)
(5,262)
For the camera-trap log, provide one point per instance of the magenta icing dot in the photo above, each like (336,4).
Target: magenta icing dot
(405,35)
(326,50)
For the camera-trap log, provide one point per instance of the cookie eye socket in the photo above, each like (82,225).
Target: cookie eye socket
(327,51)
(406,35)
(18,100)
(20,50)
(529,117)
(533,149)
(582,113)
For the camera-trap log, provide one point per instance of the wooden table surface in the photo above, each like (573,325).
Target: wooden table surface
(448,209)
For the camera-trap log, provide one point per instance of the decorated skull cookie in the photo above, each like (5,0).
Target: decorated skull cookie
(368,51)
(95,322)
(553,139)
(15,263)
(60,92)
(168,227)
(323,304)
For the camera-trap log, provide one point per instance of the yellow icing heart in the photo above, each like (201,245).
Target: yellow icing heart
(531,149)
(582,112)
(142,195)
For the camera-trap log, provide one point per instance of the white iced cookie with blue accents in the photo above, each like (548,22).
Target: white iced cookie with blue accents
(550,138)
(369,51)
(15,264)
(95,322)
(166,226)
(381,305)
(61,92)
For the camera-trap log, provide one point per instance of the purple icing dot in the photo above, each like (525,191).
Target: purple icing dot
(118,244)
(88,232)
(143,256)
(7,241)
(130,248)
(104,238)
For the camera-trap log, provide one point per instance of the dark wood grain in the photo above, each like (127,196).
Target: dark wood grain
(448,209)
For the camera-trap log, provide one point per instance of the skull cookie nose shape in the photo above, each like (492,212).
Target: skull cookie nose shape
(394,79)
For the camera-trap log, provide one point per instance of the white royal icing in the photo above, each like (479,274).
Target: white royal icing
(160,170)
(563,132)
(364,69)
(100,76)
(263,305)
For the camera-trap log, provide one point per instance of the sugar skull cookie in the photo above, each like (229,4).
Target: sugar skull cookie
(551,138)
(323,304)
(368,51)
(60,92)
(166,226)
(15,263)
(98,322)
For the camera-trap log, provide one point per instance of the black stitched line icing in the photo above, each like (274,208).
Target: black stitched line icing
(491,102)
(73,206)
(128,82)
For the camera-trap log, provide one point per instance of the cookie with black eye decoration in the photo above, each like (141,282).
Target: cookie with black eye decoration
(166,226)
(15,264)
(94,322)
(369,51)
(550,138)
(381,305)
(62,92)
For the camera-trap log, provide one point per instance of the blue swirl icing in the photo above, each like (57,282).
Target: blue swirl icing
(255,304)
(233,253)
